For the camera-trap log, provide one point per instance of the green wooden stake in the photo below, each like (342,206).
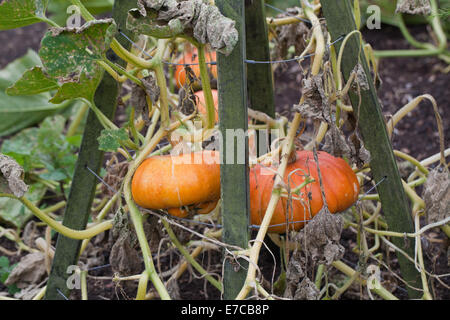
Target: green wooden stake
(84,182)
(396,209)
(259,76)
(234,175)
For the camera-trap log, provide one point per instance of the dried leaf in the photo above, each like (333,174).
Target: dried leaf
(414,7)
(361,78)
(30,270)
(321,237)
(11,177)
(316,105)
(124,258)
(336,144)
(153,232)
(115,172)
(173,289)
(359,154)
(186,101)
(307,290)
(291,35)
(28,293)
(437,194)
(195,18)
(294,273)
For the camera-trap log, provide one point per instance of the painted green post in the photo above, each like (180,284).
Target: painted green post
(84,182)
(259,76)
(340,21)
(234,175)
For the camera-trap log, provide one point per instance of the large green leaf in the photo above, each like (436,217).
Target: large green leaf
(14,212)
(22,111)
(71,57)
(33,81)
(20,13)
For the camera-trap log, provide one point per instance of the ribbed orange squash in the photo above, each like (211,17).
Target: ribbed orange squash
(174,182)
(192,57)
(201,105)
(164,182)
(339,181)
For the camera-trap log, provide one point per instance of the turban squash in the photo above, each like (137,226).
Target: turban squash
(171,182)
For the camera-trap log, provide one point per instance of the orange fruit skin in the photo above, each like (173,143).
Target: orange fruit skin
(192,57)
(173,182)
(201,208)
(340,183)
(201,105)
(164,182)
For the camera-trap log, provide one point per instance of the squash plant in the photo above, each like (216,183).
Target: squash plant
(289,185)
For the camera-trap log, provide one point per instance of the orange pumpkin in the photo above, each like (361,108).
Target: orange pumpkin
(340,184)
(200,208)
(201,105)
(193,180)
(192,57)
(165,182)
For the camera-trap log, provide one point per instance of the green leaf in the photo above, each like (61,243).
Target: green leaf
(14,212)
(13,289)
(109,140)
(56,175)
(70,56)
(84,88)
(45,147)
(20,13)
(4,264)
(75,140)
(18,112)
(33,81)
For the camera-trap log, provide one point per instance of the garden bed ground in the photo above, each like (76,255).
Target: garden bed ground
(403,79)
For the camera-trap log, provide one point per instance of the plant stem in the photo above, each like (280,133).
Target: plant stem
(83,280)
(346,285)
(164,102)
(319,275)
(206,86)
(129,57)
(142,287)
(412,160)
(406,53)
(79,116)
(49,21)
(419,256)
(380,290)
(256,247)
(188,257)
(446,229)
(137,217)
(57,226)
(54,207)
(84,12)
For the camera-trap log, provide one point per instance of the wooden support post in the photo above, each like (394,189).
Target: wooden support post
(233,123)
(84,182)
(340,21)
(259,76)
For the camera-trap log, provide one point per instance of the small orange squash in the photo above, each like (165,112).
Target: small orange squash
(168,182)
(340,184)
(201,105)
(191,57)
